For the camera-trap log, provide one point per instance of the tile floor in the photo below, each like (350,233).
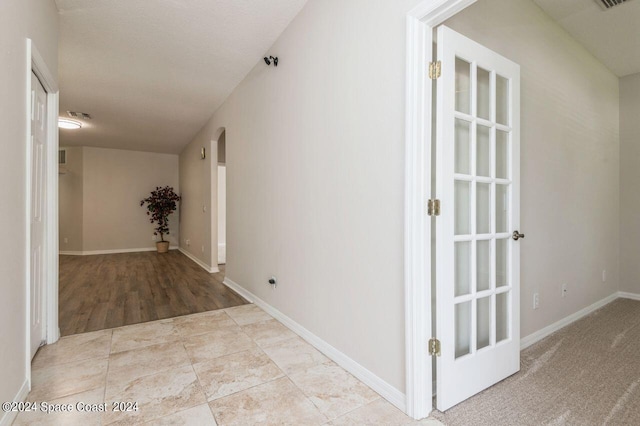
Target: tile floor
(236,366)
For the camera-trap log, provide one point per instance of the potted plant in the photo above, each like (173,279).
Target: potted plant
(160,204)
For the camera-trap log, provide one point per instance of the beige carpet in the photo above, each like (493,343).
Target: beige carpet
(585,374)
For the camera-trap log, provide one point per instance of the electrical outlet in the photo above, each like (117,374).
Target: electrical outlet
(273,282)
(203,249)
(564,289)
(536,300)
(153,238)
(66,240)
(187,241)
(604,275)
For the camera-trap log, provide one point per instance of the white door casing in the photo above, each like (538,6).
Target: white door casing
(417,236)
(222,214)
(37,214)
(478,183)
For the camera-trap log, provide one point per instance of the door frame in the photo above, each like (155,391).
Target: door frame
(37,65)
(213,190)
(417,239)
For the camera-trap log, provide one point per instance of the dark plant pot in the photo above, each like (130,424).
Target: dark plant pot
(162,246)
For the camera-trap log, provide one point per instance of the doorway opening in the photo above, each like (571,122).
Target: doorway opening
(103,288)
(456,133)
(41,206)
(477,250)
(222,201)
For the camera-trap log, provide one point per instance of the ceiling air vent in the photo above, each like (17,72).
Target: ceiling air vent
(79,115)
(608,4)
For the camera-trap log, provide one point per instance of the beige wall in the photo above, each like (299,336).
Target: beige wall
(114,183)
(70,202)
(196,180)
(629,178)
(107,186)
(569,156)
(316,173)
(19,19)
(315,178)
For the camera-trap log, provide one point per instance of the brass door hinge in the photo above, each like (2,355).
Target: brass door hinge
(435,70)
(433,207)
(434,347)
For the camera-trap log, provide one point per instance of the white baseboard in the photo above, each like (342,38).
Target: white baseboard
(627,295)
(525,342)
(199,262)
(387,391)
(70,253)
(54,337)
(10,416)
(241,291)
(113,251)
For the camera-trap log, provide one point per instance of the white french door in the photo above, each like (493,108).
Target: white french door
(477,260)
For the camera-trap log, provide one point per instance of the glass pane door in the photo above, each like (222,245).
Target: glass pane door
(482,187)
(478,184)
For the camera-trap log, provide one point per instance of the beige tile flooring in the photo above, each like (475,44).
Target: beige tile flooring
(236,366)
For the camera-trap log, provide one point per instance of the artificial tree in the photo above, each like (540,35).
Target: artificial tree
(160,204)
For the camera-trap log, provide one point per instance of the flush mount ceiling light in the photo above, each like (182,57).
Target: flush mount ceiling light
(64,123)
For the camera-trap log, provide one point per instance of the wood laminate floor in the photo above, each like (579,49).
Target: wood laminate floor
(106,291)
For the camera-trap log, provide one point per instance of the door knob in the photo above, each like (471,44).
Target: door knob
(517,235)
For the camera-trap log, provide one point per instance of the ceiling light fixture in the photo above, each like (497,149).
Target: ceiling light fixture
(64,123)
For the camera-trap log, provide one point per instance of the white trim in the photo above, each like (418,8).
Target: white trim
(387,391)
(9,417)
(627,295)
(112,251)
(417,233)
(71,253)
(434,12)
(213,200)
(39,67)
(417,226)
(222,253)
(529,340)
(240,290)
(51,291)
(200,263)
(27,255)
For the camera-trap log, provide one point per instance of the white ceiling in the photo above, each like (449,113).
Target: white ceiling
(152,72)
(612,36)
